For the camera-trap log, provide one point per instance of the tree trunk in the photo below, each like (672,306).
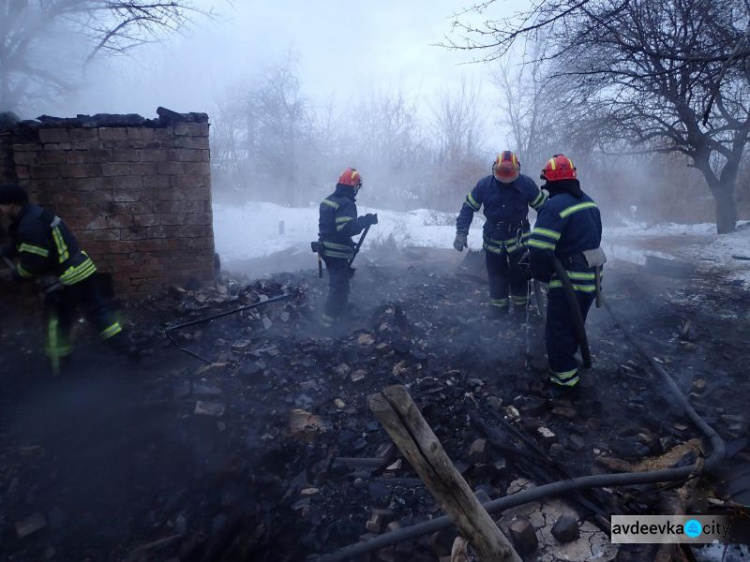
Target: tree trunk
(726,208)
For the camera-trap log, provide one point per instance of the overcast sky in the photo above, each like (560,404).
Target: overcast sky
(343,47)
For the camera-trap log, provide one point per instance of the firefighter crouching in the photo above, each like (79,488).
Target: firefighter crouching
(506,195)
(338,223)
(44,249)
(568,227)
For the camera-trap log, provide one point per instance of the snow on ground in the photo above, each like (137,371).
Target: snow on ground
(255,230)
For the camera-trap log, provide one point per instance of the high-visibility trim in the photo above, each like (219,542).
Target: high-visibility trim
(330,203)
(62,247)
(557,284)
(519,300)
(567,375)
(326,321)
(547,233)
(472,202)
(340,255)
(31,249)
(539,201)
(76,273)
(500,303)
(344,219)
(582,276)
(575,208)
(335,246)
(113,330)
(541,245)
(568,378)
(23,272)
(493,249)
(56,348)
(52,345)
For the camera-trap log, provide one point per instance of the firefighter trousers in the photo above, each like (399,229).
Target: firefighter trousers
(61,308)
(506,276)
(339,278)
(560,336)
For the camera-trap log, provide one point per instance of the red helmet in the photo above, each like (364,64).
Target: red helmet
(506,167)
(351,177)
(559,167)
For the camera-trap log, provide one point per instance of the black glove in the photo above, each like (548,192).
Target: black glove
(370,218)
(461,241)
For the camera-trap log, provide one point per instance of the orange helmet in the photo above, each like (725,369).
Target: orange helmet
(506,167)
(351,177)
(559,167)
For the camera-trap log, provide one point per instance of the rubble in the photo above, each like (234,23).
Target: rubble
(30,525)
(565,529)
(523,536)
(295,453)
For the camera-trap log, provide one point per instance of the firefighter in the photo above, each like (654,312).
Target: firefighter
(45,250)
(506,195)
(568,227)
(338,223)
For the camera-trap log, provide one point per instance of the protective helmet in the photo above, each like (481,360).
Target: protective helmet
(506,167)
(559,167)
(12,193)
(351,177)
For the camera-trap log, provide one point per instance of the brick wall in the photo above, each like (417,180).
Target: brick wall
(136,192)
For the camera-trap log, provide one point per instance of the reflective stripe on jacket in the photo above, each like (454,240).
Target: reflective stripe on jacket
(45,245)
(338,223)
(566,227)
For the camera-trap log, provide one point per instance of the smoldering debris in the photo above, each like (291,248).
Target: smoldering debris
(269,451)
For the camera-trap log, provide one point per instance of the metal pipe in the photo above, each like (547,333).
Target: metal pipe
(167,331)
(712,462)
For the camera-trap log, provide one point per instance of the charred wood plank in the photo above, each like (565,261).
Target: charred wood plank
(396,411)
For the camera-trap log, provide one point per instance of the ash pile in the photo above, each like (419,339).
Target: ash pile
(258,443)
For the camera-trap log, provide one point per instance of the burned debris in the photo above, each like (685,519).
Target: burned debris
(267,449)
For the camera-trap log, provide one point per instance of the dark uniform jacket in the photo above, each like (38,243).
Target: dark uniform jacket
(45,246)
(568,224)
(506,207)
(338,223)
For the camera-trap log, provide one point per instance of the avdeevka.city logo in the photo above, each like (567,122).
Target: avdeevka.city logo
(651,529)
(693,528)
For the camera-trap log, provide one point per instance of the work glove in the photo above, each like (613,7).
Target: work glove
(460,242)
(370,219)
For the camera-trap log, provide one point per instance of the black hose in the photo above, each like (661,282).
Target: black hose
(575,312)
(712,462)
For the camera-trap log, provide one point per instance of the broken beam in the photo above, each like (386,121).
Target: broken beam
(399,415)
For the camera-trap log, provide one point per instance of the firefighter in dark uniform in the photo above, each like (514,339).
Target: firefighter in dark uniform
(338,223)
(506,195)
(569,226)
(44,249)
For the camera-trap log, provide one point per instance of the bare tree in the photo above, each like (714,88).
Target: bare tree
(672,76)
(41,41)
(264,142)
(458,137)
(526,101)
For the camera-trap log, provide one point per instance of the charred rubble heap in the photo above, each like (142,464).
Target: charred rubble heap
(268,451)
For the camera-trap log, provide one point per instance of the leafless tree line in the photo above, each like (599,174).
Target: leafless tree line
(45,43)
(638,77)
(270,142)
